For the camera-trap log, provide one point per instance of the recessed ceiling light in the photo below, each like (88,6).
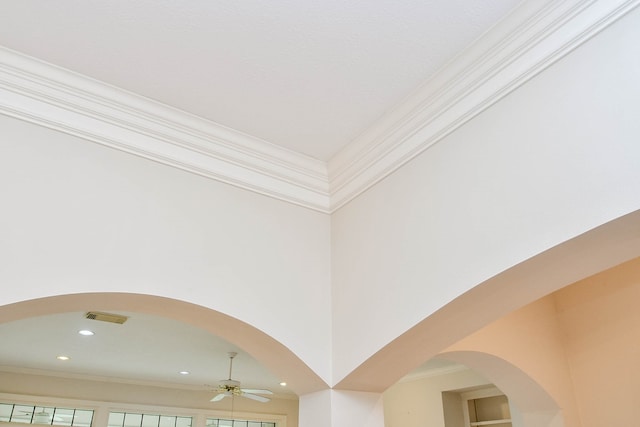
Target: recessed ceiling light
(283,384)
(184,372)
(63,358)
(86,332)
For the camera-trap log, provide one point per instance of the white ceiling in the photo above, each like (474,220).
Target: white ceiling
(306,75)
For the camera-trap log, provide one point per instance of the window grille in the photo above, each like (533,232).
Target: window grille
(129,419)
(47,415)
(220,422)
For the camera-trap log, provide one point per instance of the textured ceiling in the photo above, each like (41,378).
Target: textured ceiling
(307,75)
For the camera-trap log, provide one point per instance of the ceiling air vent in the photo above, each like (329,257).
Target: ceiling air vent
(106,317)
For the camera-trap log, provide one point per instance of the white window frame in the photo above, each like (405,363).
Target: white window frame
(102,410)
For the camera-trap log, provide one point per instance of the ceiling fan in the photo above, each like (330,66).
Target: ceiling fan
(230,387)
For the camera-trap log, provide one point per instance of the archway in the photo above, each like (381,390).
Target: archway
(592,252)
(266,350)
(535,406)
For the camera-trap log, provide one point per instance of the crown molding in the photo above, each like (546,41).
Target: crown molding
(130,381)
(96,378)
(59,99)
(533,37)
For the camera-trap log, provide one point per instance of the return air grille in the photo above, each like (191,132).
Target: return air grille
(106,317)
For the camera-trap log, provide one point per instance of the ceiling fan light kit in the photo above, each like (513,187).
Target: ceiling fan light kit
(231,387)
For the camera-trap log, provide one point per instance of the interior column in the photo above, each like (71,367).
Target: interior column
(341,408)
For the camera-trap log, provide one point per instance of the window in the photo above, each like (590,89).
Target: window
(220,422)
(128,419)
(32,414)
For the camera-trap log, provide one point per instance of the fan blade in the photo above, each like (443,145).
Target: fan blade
(255,397)
(218,397)
(257,391)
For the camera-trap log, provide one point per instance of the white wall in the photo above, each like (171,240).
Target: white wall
(78,217)
(554,159)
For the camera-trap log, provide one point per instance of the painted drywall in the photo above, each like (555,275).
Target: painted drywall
(534,170)
(601,323)
(340,408)
(419,402)
(550,161)
(79,217)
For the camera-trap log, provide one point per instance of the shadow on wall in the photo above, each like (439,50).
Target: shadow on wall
(531,405)
(440,397)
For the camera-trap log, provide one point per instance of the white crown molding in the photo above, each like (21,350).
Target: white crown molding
(529,40)
(130,381)
(49,96)
(97,378)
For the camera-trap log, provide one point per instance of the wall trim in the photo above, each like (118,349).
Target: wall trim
(59,99)
(533,37)
(128,381)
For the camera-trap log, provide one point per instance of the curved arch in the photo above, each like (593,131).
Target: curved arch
(266,350)
(596,250)
(535,405)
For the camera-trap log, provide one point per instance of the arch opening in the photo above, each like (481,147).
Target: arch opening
(531,405)
(599,249)
(268,352)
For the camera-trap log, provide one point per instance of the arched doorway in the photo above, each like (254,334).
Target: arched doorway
(264,349)
(531,405)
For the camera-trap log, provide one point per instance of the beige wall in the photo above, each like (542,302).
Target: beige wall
(418,403)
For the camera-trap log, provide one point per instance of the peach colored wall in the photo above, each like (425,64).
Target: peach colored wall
(580,345)
(600,317)
(531,340)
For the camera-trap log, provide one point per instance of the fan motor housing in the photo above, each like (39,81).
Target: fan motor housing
(230,383)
